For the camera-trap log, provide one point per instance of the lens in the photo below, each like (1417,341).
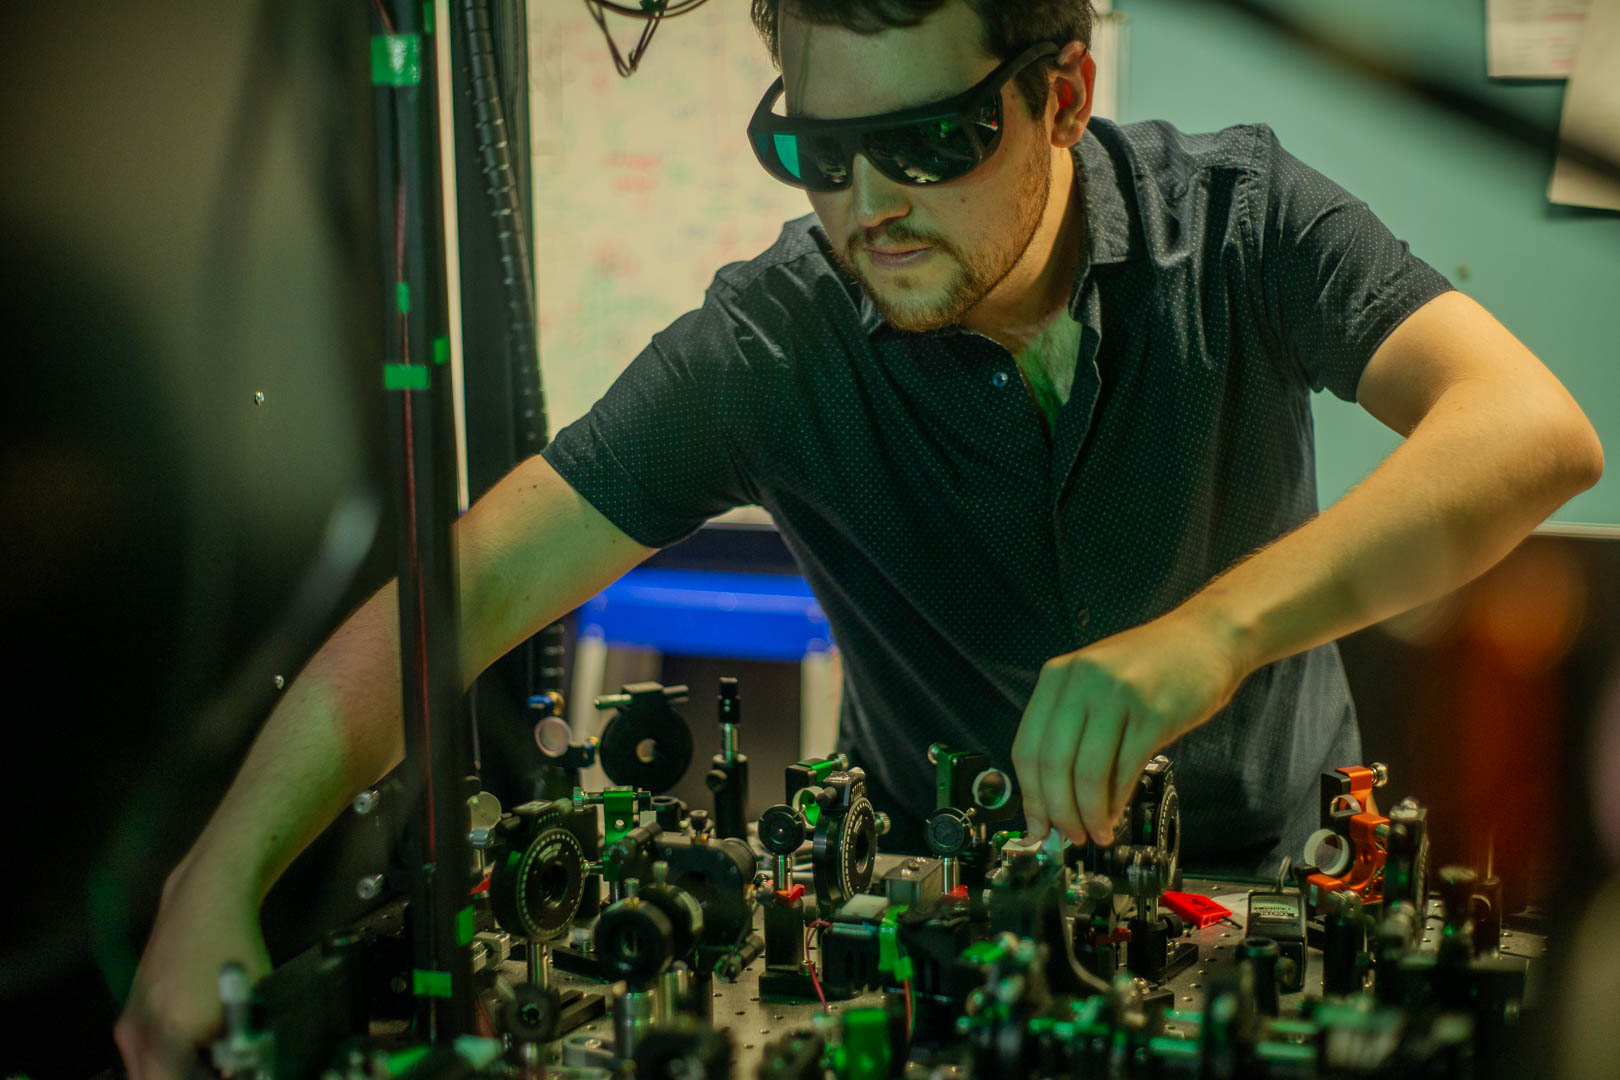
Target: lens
(816,162)
(827,166)
(992,789)
(787,152)
(938,150)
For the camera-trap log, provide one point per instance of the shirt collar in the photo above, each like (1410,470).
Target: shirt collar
(1113,231)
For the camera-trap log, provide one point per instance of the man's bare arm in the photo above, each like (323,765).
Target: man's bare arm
(1494,445)
(531,550)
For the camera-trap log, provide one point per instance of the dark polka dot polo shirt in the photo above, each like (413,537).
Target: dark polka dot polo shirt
(954,543)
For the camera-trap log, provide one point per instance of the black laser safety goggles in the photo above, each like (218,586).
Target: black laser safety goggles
(929,144)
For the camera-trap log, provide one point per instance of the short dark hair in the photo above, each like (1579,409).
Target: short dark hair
(1010,26)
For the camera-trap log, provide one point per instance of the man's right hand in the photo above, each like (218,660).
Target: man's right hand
(530,550)
(204,921)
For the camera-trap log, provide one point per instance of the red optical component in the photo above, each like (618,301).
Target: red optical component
(792,895)
(1198,911)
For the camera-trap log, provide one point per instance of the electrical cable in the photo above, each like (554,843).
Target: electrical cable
(821,995)
(1092,979)
(652,12)
(505,206)
(511,224)
(651,9)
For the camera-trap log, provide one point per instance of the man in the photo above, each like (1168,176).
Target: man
(1030,405)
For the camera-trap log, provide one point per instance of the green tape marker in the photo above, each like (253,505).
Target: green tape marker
(441,350)
(402,297)
(430,983)
(466,925)
(427,16)
(891,954)
(405,377)
(396,60)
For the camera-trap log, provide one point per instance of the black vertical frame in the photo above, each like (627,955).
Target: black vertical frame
(421,437)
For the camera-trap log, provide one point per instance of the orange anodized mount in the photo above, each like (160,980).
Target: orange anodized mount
(1348,851)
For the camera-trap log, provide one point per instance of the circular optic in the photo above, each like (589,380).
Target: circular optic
(863,851)
(992,789)
(945,831)
(781,830)
(1170,829)
(552,736)
(539,889)
(1328,852)
(553,883)
(628,945)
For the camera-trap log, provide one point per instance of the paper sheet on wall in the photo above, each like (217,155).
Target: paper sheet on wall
(1591,118)
(1533,39)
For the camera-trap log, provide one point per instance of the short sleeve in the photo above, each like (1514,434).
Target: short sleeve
(1334,281)
(656,455)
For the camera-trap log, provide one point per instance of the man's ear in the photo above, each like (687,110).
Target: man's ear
(1076,74)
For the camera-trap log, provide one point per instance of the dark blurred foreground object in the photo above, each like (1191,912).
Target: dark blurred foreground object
(191,444)
(1482,704)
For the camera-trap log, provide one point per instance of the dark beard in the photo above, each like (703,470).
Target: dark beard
(966,290)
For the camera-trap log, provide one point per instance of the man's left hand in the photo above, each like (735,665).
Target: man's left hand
(1098,715)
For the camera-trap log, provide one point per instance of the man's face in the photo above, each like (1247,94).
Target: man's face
(974,230)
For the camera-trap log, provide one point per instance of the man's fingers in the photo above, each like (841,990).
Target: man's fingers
(1029,745)
(1057,769)
(1094,770)
(1061,728)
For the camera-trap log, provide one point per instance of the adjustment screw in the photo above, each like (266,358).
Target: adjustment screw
(366,801)
(369,886)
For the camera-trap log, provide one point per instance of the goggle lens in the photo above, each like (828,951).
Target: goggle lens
(935,152)
(930,152)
